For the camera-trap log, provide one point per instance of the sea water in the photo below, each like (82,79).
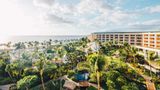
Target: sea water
(15,39)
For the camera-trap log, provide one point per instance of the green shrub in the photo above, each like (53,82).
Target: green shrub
(50,85)
(91,88)
(27,82)
(158,86)
(71,73)
(4,81)
(93,78)
(130,86)
(111,85)
(30,71)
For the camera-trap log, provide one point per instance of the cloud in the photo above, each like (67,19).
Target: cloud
(147,25)
(90,6)
(120,17)
(149,10)
(92,13)
(53,19)
(106,13)
(155,9)
(43,3)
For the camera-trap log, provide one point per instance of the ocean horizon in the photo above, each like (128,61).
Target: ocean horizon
(40,38)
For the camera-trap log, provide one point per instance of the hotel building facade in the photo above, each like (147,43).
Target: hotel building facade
(140,39)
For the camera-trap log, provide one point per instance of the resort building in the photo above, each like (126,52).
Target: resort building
(144,40)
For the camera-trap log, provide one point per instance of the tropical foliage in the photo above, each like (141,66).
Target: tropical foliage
(113,66)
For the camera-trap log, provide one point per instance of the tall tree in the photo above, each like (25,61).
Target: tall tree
(151,56)
(98,63)
(133,53)
(40,66)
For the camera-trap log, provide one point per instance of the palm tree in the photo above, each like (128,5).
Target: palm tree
(124,54)
(129,53)
(151,57)
(36,43)
(133,53)
(40,67)
(9,44)
(8,70)
(15,70)
(20,45)
(30,44)
(98,63)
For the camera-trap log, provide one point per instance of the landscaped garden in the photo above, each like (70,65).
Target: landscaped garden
(75,65)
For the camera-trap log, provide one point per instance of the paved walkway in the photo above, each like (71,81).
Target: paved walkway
(155,64)
(150,85)
(148,68)
(5,87)
(91,84)
(95,85)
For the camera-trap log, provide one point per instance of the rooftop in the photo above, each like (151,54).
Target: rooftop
(128,32)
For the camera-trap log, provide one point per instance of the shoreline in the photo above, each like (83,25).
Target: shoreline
(39,38)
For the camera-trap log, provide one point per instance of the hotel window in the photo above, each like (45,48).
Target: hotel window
(99,36)
(139,37)
(158,41)
(145,34)
(111,37)
(158,36)
(138,43)
(139,40)
(103,36)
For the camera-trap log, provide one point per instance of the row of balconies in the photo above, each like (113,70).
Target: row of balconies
(152,36)
(118,35)
(151,46)
(129,35)
(121,38)
(158,39)
(126,37)
(132,40)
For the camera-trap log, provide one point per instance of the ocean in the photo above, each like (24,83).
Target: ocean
(15,39)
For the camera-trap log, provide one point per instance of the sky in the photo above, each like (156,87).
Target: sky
(77,17)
